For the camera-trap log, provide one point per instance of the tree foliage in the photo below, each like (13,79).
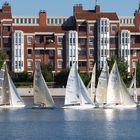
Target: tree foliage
(61,77)
(2,58)
(21,77)
(47,72)
(85,77)
(138,74)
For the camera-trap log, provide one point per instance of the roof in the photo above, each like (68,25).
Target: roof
(130,28)
(91,15)
(33,29)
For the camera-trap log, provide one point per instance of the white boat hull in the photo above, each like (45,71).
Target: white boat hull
(10,106)
(119,106)
(80,107)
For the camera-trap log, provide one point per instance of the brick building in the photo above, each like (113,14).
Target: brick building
(87,36)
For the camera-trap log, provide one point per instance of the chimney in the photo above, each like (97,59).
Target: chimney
(6,8)
(42,18)
(97,9)
(77,8)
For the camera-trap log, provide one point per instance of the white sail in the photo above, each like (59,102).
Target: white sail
(84,94)
(132,87)
(10,96)
(72,87)
(40,90)
(93,76)
(76,92)
(117,92)
(101,91)
(126,98)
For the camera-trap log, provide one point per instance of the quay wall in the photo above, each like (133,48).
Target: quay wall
(58,92)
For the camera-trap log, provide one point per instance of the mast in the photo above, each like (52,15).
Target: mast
(135,92)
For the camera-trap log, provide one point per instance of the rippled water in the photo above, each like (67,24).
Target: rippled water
(67,124)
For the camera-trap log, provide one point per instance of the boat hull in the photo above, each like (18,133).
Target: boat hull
(119,106)
(10,106)
(42,107)
(80,107)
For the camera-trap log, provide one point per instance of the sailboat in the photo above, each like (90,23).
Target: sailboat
(132,87)
(76,95)
(92,83)
(101,90)
(42,96)
(9,94)
(117,94)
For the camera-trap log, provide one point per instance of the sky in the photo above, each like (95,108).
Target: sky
(65,7)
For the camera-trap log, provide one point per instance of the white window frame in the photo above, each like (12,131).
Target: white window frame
(28,42)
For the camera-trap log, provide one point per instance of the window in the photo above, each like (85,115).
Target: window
(113,28)
(29,40)
(56,21)
(51,62)
(60,64)
(91,28)
(51,53)
(82,52)
(134,63)
(72,52)
(21,20)
(112,40)
(38,39)
(5,40)
(82,28)
(70,40)
(29,52)
(74,40)
(16,64)
(59,52)
(91,40)
(91,64)
(25,20)
(29,63)
(51,20)
(37,52)
(20,64)
(60,21)
(29,20)
(6,28)
(82,41)
(134,53)
(82,63)
(60,40)
(91,52)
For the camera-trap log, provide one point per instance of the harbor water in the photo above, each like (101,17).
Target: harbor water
(68,124)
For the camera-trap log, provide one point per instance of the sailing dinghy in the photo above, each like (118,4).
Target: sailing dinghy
(92,83)
(133,88)
(76,96)
(101,90)
(10,97)
(117,94)
(42,96)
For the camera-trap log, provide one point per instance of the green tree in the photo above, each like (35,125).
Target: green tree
(61,77)
(85,77)
(2,58)
(138,74)
(47,72)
